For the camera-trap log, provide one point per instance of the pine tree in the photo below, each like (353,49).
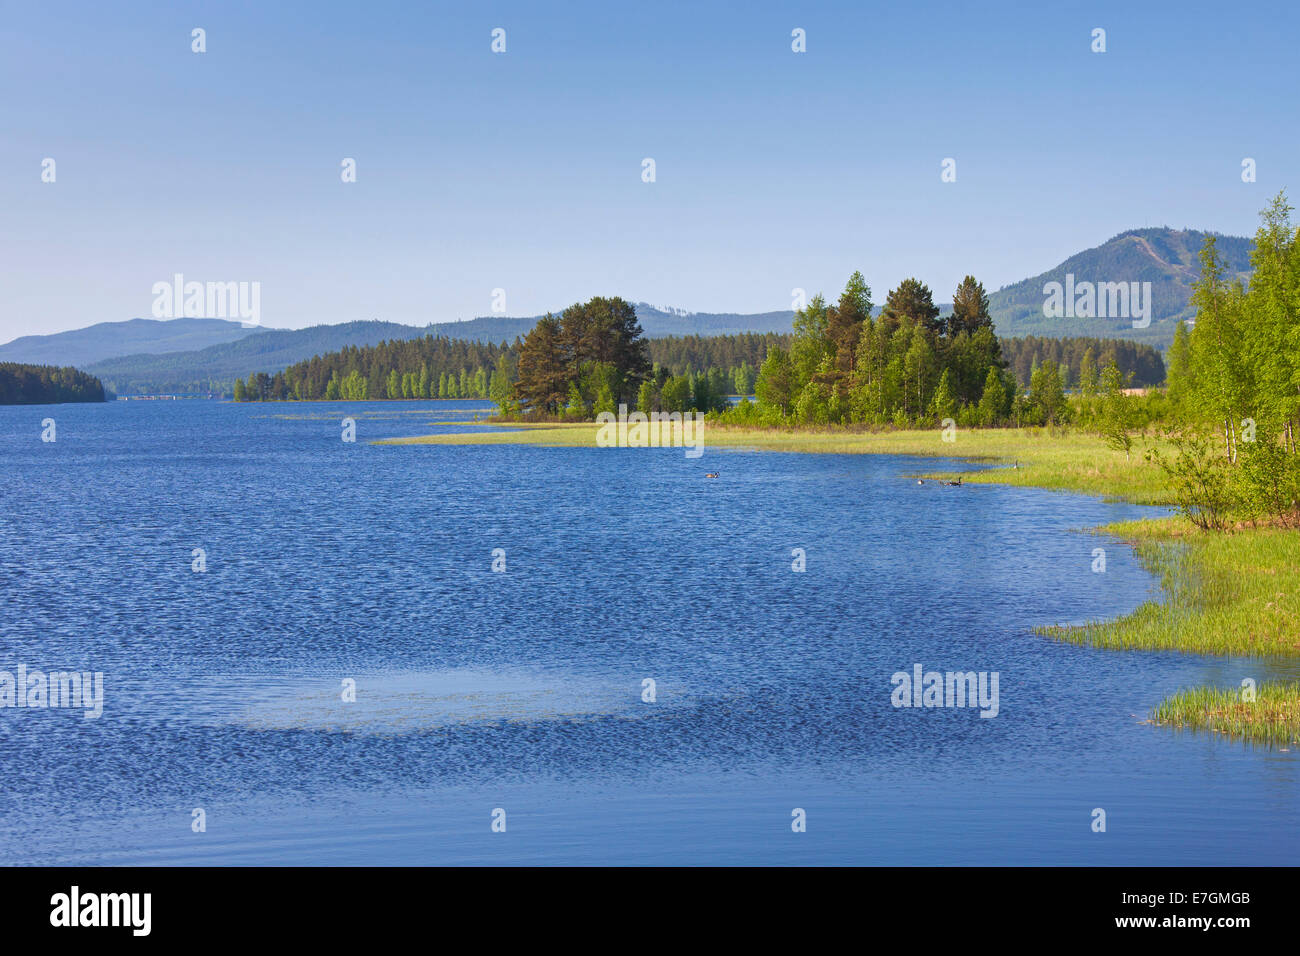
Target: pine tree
(544,384)
(943,405)
(912,300)
(776,381)
(970,309)
(844,325)
(994,400)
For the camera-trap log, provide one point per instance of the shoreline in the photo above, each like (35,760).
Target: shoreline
(1233,593)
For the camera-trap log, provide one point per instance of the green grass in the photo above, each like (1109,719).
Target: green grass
(579,434)
(1273,717)
(1224,593)
(1057,459)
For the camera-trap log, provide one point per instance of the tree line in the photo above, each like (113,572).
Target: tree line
(593,357)
(590,358)
(431,366)
(1081,358)
(685,372)
(435,366)
(1140,364)
(1234,384)
(907,365)
(22,384)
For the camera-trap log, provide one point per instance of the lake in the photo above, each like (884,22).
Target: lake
(647,681)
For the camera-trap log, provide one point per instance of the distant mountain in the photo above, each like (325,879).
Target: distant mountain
(81,347)
(655,323)
(658,323)
(214,369)
(1167,258)
(144,356)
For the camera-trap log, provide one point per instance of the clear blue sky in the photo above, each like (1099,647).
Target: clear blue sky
(522,171)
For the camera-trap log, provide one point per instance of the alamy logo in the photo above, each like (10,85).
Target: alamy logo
(208,300)
(1098,300)
(656,430)
(923,688)
(75,908)
(37,690)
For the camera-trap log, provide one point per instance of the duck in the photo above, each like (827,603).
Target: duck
(954,484)
(710,474)
(919,481)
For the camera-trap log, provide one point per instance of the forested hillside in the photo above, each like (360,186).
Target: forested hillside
(22,384)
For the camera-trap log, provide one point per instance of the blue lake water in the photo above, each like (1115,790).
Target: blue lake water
(522,691)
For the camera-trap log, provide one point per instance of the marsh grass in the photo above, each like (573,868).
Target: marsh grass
(1273,717)
(1224,593)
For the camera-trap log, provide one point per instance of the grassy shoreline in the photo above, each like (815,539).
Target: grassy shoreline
(1048,458)
(1273,717)
(1235,593)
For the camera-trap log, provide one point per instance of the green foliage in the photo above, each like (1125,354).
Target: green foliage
(645,398)
(1237,374)
(22,384)
(675,395)
(1046,404)
(744,378)
(970,309)
(593,350)
(1141,364)
(994,405)
(1267,482)
(502,387)
(426,367)
(775,388)
(544,382)
(1179,378)
(943,405)
(1118,418)
(1271,716)
(1200,481)
(903,367)
(575,407)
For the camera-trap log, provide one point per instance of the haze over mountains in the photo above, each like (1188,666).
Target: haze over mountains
(80,347)
(215,368)
(150,356)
